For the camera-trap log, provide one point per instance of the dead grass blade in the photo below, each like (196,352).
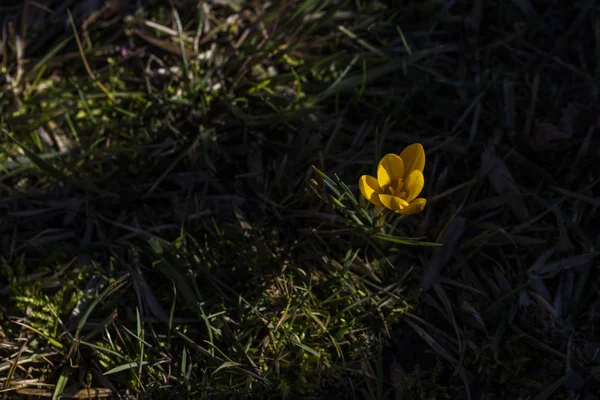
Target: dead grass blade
(549,391)
(87,393)
(553,268)
(449,240)
(503,181)
(432,342)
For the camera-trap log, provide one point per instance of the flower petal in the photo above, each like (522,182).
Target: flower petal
(370,189)
(394,203)
(413,185)
(416,206)
(413,157)
(390,168)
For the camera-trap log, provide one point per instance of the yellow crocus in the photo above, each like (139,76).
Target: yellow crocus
(399,181)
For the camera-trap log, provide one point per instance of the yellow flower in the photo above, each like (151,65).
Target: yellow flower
(399,181)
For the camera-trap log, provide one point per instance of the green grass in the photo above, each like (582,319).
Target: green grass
(180,214)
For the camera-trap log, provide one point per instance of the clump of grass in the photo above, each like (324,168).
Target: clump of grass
(164,233)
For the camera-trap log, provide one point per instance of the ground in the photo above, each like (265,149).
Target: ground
(180,213)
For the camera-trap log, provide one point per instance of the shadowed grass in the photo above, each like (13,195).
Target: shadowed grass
(164,233)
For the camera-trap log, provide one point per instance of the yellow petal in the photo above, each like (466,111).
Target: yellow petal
(370,189)
(415,206)
(391,168)
(394,203)
(413,157)
(413,185)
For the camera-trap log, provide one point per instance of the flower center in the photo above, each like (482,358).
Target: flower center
(395,188)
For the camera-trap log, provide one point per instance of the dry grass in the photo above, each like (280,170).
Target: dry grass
(165,236)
